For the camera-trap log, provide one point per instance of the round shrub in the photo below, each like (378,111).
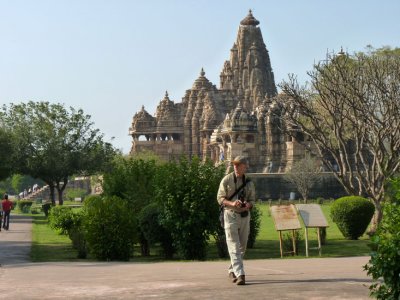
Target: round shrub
(110,228)
(153,231)
(352,215)
(61,219)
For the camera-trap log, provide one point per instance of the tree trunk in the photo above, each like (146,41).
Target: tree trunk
(60,190)
(144,246)
(60,197)
(376,219)
(52,194)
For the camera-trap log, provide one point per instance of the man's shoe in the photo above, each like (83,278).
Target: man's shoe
(241,280)
(232,277)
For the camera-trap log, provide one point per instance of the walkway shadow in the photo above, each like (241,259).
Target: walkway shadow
(19,219)
(312,280)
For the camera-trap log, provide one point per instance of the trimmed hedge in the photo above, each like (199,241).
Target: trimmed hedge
(24,206)
(352,215)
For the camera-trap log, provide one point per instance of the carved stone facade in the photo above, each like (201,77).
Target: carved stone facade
(241,117)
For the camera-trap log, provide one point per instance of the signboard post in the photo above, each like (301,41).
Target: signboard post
(285,218)
(312,217)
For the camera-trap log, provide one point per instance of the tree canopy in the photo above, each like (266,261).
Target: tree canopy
(351,112)
(6,152)
(53,143)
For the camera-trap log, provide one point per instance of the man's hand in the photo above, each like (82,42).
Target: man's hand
(237,203)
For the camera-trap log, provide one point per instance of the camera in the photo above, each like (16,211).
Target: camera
(241,196)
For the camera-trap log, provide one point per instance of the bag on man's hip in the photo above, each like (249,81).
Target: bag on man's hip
(221,216)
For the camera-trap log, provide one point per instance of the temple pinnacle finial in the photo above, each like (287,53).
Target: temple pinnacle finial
(142,107)
(166,94)
(341,52)
(250,20)
(202,73)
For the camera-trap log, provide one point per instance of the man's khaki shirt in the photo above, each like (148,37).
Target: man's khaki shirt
(227,187)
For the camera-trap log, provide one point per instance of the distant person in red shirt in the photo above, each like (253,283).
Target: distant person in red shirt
(7,205)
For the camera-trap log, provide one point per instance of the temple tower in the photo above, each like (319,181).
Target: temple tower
(240,117)
(248,73)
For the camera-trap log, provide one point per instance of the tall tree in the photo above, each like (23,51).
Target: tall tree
(351,112)
(53,143)
(6,151)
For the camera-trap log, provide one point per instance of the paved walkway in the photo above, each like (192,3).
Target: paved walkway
(311,279)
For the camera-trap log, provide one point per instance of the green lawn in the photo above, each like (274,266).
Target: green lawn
(49,246)
(267,243)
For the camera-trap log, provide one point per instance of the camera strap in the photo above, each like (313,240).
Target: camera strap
(245,181)
(240,187)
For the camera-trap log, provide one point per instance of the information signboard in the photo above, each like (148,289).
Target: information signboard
(285,217)
(312,215)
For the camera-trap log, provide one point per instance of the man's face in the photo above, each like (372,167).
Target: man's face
(240,169)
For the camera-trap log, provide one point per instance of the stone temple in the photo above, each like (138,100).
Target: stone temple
(241,117)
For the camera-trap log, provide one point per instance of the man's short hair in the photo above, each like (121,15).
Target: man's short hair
(239,160)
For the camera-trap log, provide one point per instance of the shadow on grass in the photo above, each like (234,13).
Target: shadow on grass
(53,252)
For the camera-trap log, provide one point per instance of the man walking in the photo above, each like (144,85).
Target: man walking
(237,195)
(6,205)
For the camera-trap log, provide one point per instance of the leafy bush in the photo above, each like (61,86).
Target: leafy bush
(77,234)
(61,219)
(68,221)
(46,208)
(153,231)
(110,228)
(132,179)
(220,241)
(352,214)
(14,204)
(36,209)
(287,241)
(384,267)
(255,223)
(187,191)
(91,199)
(24,205)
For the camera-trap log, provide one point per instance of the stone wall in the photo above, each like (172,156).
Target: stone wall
(274,187)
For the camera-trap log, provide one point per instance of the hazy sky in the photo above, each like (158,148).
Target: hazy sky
(111,57)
